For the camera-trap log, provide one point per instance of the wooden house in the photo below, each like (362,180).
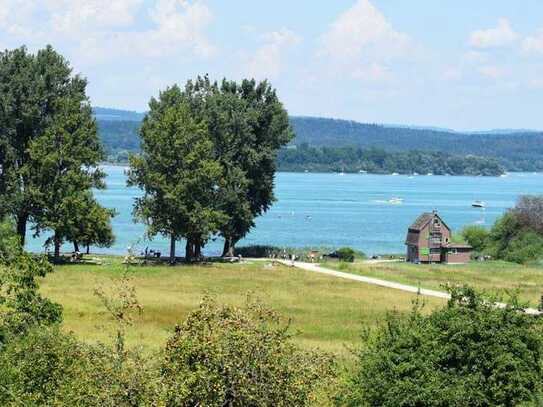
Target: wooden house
(429,241)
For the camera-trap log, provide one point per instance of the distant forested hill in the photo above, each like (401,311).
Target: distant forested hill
(516,150)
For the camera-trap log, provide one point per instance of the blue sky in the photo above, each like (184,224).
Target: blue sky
(460,64)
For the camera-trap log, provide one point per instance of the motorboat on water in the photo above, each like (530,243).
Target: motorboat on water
(478,204)
(395,201)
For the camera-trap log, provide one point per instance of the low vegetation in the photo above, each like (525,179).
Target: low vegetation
(467,353)
(517,236)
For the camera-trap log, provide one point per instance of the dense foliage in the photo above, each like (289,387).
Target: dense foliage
(177,173)
(476,237)
(49,145)
(517,236)
(229,356)
(354,159)
(207,161)
(519,150)
(468,353)
(516,151)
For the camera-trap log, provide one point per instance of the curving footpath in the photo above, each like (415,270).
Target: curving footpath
(382,283)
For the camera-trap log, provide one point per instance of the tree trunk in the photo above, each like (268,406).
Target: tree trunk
(197,250)
(22,219)
(76,246)
(172,248)
(229,247)
(56,240)
(188,251)
(88,249)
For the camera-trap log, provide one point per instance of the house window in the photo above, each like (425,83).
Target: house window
(435,238)
(453,251)
(435,251)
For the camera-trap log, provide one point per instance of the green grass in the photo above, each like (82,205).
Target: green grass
(493,276)
(328,312)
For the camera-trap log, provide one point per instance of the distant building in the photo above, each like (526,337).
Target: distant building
(429,241)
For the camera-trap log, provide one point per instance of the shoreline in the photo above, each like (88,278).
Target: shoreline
(503,175)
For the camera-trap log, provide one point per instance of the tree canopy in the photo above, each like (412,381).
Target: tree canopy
(49,146)
(207,161)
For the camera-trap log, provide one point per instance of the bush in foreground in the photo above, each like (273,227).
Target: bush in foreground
(468,353)
(228,356)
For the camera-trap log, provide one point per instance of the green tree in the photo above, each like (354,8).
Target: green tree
(43,107)
(63,167)
(468,353)
(178,174)
(475,236)
(248,125)
(88,223)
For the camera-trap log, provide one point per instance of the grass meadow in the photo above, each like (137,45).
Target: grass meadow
(495,277)
(328,313)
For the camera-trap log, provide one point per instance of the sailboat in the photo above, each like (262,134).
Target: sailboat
(478,204)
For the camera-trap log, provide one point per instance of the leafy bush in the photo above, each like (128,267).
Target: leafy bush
(468,353)
(21,305)
(48,367)
(228,356)
(346,254)
(10,245)
(257,251)
(524,248)
(476,237)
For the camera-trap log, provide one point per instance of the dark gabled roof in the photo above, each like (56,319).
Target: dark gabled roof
(424,219)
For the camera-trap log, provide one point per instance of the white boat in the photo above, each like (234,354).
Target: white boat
(395,201)
(430,174)
(478,204)
(363,172)
(394,173)
(415,173)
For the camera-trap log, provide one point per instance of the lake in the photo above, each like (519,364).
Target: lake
(333,210)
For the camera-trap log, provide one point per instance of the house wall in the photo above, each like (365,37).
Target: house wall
(461,256)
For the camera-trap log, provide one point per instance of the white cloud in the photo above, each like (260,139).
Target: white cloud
(491,71)
(533,44)
(500,36)
(268,60)
(94,31)
(75,16)
(362,30)
(373,73)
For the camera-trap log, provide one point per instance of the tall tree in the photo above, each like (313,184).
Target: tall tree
(248,125)
(177,173)
(48,142)
(63,166)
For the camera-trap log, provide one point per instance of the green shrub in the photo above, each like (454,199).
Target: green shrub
(468,353)
(346,254)
(524,248)
(33,367)
(10,245)
(476,237)
(228,356)
(47,367)
(257,251)
(21,305)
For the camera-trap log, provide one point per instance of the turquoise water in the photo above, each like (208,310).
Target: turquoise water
(332,210)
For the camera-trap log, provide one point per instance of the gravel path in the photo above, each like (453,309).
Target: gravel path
(382,283)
